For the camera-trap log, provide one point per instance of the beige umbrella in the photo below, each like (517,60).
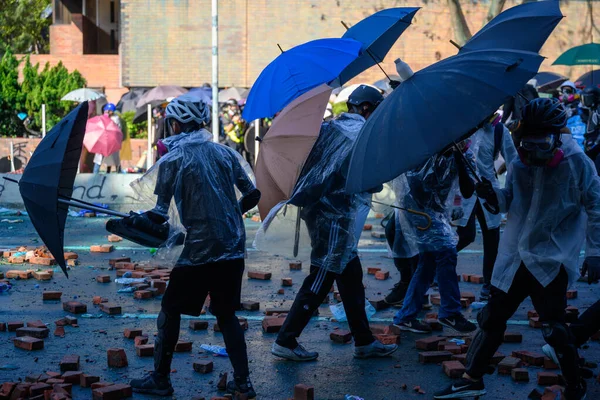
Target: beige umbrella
(286,146)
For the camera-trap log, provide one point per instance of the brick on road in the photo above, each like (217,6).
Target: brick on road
(183,346)
(304,392)
(116,358)
(250,305)
(103,279)
(373,270)
(264,276)
(272,324)
(105,248)
(529,357)
(86,381)
(118,391)
(28,343)
(196,325)
(144,350)
(140,340)
(51,295)
(513,337)
(382,275)
(110,308)
(520,375)
(453,369)
(296,266)
(74,307)
(547,378)
(131,333)
(38,333)
(341,336)
(73,377)
(429,343)
(12,326)
(286,281)
(113,261)
(203,366)
(69,362)
(434,357)
(508,364)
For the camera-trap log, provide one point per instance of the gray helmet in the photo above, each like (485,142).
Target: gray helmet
(186,108)
(365,94)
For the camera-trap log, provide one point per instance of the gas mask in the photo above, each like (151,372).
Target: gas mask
(541,151)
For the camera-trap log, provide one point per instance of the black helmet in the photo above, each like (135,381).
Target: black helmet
(365,94)
(543,116)
(591,97)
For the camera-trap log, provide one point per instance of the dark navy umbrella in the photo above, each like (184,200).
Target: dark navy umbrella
(377,33)
(129,100)
(434,107)
(47,182)
(524,27)
(589,79)
(295,72)
(547,81)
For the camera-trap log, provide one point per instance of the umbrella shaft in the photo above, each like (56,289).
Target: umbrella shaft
(93,208)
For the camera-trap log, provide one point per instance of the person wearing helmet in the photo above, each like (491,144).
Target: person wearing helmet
(330,217)
(590,99)
(199,177)
(233,125)
(114,159)
(570,98)
(552,193)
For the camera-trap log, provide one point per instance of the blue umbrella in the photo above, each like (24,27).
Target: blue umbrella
(202,93)
(295,72)
(546,81)
(589,79)
(524,27)
(377,33)
(433,108)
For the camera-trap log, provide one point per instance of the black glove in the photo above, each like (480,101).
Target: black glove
(457,213)
(485,190)
(591,266)
(249,201)
(394,84)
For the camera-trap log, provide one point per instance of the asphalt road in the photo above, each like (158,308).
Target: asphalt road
(335,374)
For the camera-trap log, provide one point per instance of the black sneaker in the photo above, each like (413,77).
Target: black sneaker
(241,386)
(462,388)
(154,383)
(415,326)
(396,296)
(458,324)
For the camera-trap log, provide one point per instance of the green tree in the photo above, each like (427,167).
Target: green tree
(11,97)
(23,26)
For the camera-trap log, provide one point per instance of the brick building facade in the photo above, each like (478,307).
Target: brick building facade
(169,41)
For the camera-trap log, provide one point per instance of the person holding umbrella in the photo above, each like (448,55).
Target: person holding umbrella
(552,192)
(113,159)
(200,176)
(330,219)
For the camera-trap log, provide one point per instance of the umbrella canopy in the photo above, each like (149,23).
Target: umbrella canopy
(202,93)
(50,174)
(524,27)
(589,79)
(377,33)
(286,146)
(141,113)
(83,94)
(130,99)
(295,72)
(343,96)
(160,93)
(587,54)
(102,136)
(235,93)
(547,81)
(434,107)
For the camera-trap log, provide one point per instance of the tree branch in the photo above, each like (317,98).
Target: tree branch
(496,7)
(459,24)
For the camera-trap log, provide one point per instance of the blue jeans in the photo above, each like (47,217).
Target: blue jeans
(442,263)
(96,168)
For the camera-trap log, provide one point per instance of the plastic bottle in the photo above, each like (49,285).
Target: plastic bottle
(403,69)
(478,304)
(127,274)
(129,281)
(217,350)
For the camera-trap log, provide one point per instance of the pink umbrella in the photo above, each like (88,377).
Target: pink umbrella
(286,146)
(102,136)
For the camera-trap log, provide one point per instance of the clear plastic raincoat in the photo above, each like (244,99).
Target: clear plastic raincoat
(327,224)
(549,211)
(483,147)
(429,188)
(195,182)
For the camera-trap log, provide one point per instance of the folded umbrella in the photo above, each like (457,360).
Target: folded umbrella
(295,72)
(377,33)
(587,54)
(286,146)
(83,94)
(433,108)
(102,136)
(524,27)
(160,93)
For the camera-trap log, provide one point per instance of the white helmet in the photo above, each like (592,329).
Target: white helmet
(186,108)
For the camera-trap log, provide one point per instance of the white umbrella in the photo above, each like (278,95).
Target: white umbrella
(83,94)
(342,96)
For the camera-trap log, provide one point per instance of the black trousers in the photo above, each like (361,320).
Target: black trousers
(491,239)
(550,303)
(186,293)
(587,324)
(352,291)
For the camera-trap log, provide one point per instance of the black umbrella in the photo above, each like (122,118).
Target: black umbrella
(47,182)
(548,81)
(141,114)
(130,99)
(589,79)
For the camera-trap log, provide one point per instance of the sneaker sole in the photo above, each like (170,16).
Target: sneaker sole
(452,330)
(287,357)
(376,355)
(164,393)
(407,329)
(460,395)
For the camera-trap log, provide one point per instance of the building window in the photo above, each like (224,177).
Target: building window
(112,12)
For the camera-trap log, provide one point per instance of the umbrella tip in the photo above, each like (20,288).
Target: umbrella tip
(280,49)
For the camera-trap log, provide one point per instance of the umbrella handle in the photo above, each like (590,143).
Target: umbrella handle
(74,203)
(297,233)
(409,210)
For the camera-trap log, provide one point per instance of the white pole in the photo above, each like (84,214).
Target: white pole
(215,70)
(149,151)
(43,120)
(256,136)
(12,156)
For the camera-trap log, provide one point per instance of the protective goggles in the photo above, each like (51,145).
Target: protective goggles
(543,143)
(567,90)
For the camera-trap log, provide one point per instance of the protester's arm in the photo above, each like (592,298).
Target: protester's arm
(465,182)
(250,194)
(508,149)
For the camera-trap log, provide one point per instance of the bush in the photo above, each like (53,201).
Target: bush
(136,131)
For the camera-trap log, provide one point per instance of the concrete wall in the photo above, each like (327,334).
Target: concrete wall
(169,41)
(112,189)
